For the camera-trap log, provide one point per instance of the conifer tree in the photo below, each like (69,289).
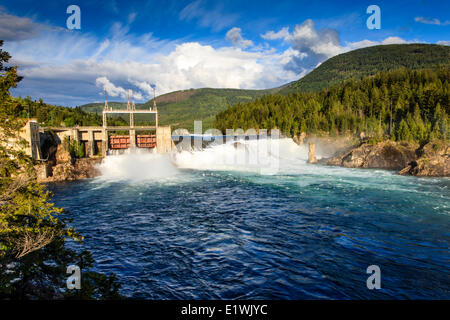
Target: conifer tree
(31,234)
(403,133)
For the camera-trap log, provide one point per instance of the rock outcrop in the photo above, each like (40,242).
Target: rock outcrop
(384,155)
(434,161)
(68,171)
(61,166)
(312,153)
(62,154)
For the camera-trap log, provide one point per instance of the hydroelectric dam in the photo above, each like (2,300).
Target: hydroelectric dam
(105,139)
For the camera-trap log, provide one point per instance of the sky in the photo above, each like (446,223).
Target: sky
(133,46)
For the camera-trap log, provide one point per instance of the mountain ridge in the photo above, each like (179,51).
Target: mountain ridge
(180,108)
(368,61)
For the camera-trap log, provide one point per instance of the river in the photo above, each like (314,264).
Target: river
(194,227)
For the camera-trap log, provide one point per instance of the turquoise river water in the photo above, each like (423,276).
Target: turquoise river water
(191,226)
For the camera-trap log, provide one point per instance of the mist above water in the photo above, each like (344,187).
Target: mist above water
(262,161)
(137,167)
(264,156)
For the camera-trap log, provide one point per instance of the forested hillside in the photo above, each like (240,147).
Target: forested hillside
(97,107)
(55,116)
(402,104)
(181,108)
(369,61)
(200,104)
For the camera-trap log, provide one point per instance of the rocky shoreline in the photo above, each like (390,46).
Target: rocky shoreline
(69,171)
(432,159)
(62,166)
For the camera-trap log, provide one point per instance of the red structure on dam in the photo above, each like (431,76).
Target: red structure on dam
(123,142)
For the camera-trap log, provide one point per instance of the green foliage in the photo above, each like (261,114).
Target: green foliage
(181,108)
(55,116)
(374,140)
(97,107)
(403,133)
(33,256)
(401,104)
(369,61)
(76,149)
(41,274)
(440,122)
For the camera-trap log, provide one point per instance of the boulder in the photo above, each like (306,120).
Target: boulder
(384,155)
(434,161)
(88,167)
(63,172)
(390,155)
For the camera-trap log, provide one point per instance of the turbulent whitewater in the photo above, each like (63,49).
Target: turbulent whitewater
(253,220)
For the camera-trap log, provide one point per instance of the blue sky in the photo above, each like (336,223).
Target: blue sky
(130,45)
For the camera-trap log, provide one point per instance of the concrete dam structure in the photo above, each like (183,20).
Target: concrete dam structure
(101,141)
(150,137)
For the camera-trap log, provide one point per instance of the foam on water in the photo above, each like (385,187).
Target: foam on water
(139,166)
(261,157)
(253,158)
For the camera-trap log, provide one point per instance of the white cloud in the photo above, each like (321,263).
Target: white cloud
(125,62)
(360,44)
(144,86)
(272,35)
(393,40)
(444,43)
(83,65)
(434,21)
(234,35)
(115,91)
(369,43)
(322,42)
(131,17)
(312,46)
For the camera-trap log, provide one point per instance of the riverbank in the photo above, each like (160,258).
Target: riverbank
(69,171)
(63,166)
(431,159)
